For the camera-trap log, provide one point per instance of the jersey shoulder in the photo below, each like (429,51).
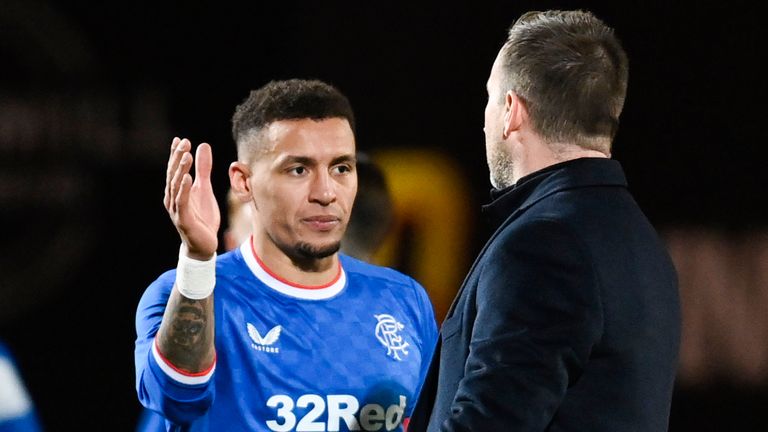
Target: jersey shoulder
(230,262)
(357,268)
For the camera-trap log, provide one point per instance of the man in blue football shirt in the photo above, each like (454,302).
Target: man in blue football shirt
(17,411)
(299,337)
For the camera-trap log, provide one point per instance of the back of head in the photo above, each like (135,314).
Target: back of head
(571,71)
(292,99)
(372,214)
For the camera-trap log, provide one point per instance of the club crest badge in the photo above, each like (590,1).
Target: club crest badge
(388,333)
(264,343)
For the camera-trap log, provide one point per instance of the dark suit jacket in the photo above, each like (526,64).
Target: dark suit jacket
(569,319)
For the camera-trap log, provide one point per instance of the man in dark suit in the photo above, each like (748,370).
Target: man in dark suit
(569,319)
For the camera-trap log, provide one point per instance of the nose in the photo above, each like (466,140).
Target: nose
(322,189)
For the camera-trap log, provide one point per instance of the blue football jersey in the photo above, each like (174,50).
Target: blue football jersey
(17,412)
(350,355)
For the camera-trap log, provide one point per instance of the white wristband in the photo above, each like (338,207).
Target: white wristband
(195,279)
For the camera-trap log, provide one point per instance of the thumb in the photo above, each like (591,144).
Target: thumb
(203,162)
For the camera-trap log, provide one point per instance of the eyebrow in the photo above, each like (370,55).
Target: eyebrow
(344,158)
(306,160)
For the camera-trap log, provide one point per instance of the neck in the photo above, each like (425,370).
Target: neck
(540,155)
(297,270)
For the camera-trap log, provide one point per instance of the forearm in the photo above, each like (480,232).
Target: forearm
(186,334)
(185,337)
(178,395)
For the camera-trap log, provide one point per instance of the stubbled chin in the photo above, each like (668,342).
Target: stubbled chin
(316,250)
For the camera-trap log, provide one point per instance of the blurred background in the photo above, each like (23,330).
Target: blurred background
(91,94)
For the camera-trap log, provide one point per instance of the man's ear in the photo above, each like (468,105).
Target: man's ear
(515,113)
(238,181)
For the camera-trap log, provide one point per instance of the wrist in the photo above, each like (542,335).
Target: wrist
(195,275)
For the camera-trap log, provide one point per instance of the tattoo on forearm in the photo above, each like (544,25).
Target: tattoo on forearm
(186,334)
(187,326)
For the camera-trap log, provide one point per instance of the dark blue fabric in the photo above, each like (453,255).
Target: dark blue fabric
(569,319)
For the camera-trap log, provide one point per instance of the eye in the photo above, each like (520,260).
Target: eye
(297,171)
(341,169)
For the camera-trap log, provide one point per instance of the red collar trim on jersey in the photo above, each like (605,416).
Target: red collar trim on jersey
(287,282)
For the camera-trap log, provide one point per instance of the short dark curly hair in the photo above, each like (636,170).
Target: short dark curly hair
(287,100)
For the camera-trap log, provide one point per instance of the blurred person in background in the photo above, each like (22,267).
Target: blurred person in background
(17,412)
(373,213)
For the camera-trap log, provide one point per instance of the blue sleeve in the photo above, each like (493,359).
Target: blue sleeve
(180,403)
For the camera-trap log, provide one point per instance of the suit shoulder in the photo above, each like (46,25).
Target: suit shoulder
(540,225)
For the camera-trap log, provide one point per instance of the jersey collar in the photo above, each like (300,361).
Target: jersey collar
(283,286)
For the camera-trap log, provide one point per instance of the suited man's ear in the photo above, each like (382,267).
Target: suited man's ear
(515,113)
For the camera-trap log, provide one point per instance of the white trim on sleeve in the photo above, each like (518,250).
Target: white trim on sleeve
(178,375)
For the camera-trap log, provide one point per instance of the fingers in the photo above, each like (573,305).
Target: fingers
(180,162)
(182,199)
(175,185)
(179,147)
(168,172)
(173,159)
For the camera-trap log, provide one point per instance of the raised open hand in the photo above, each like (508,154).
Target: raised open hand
(191,204)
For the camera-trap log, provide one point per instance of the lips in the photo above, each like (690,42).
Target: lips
(322,222)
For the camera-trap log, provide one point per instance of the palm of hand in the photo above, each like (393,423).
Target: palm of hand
(192,205)
(202,232)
